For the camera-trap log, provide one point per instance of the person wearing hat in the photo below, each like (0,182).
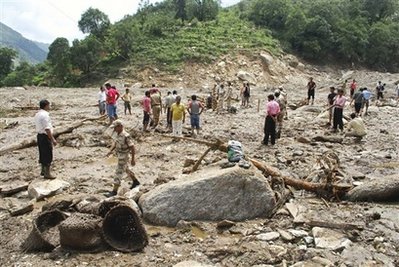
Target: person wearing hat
(45,138)
(123,145)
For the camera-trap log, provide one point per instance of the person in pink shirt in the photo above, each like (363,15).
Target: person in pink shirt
(112,96)
(339,104)
(272,111)
(146,104)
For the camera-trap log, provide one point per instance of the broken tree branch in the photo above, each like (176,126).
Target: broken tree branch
(57,132)
(196,165)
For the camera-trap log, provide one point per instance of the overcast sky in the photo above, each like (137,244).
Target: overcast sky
(45,20)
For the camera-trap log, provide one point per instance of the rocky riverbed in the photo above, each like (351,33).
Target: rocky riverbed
(306,231)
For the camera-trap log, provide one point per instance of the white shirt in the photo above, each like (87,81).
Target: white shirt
(102,96)
(43,122)
(357,127)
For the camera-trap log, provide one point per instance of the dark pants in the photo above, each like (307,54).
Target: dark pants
(358,107)
(45,149)
(380,95)
(169,117)
(311,93)
(269,130)
(337,120)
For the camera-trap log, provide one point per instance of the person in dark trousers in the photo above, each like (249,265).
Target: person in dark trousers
(272,111)
(45,138)
(358,98)
(311,89)
(339,104)
(330,101)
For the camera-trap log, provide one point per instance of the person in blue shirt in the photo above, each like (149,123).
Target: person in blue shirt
(366,99)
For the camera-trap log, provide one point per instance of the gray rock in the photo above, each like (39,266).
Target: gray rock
(266,59)
(297,211)
(329,239)
(42,189)
(297,233)
(268,236)
(17,207)
(211,194)
(302,139)
(286,236)
(7,190)
(245,76)
(297,153)
(192,264)
(356,175)
(328,138)
(310,108)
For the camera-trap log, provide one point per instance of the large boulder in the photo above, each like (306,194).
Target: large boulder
(245,76)
(212,195)
(266,59)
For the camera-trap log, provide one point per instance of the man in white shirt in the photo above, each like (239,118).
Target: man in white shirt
(102,98)
(356,127)
(45,138)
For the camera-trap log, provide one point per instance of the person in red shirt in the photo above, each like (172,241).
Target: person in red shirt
(112,96)
(146,104)
(353,87)
(272,111)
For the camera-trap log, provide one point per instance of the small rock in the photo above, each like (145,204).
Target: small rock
(192,264)
(7,190)
(286,236)
(225,224)
(277,251)
(302,139)
(268,236)
(17,207)
(297,153)
(42,189)
(297,233)
(308,239)
(330,239)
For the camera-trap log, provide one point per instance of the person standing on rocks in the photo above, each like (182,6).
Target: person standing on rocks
(330,102)
(245,95)
(359,99)
(178,117)
(380,90)
(112,97)
(339,105)
(311,89)
(366,99)
(195,109)
(272,111)
(168,101)
(146,105)
(221,96)
(229,95)
(124,147)
(356,127)
(45,138)
(353,87)
(102,100)
(280,117)
(127,98)
(156,106)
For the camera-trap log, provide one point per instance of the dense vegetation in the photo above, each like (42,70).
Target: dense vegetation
(170,33)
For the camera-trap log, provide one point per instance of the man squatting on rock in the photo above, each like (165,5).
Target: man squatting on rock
(123,145)
(45,138)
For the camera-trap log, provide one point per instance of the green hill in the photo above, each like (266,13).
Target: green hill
(30,51)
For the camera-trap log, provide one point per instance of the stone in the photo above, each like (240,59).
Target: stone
(356,175)
(192,264)
(311,108)
(40,189)
(268,236)
(304,140)
(7,190)
(133,194)
(297,211)
(328,138)
(297,233)
(222,64)
(277,251)
(297,153)
(17,207)
(329,239)
(286,236)
(225,224)
(210,194)
(245,76)
(301,66)
(266,59)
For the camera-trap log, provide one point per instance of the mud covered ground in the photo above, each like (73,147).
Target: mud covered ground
(80,160)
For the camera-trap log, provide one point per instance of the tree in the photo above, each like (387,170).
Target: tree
(381,9)
(59,60)
(24,74)
(7,55)
(271,13)
(204,10)
(95,22)
(181,10)
(85,54)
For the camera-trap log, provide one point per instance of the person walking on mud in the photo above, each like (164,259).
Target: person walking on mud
(311,89)
(272,111)
(124,147)
(45,138)
(127,98)
(330,102)
(280,117)
(156,106)
(178,117)
(339,105)
(195,109)
(102,100)
(112,96)
(146,105)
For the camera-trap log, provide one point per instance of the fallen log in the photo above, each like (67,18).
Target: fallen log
(57,132)
(380,191)
(196,165)
(331,139)
(334,225)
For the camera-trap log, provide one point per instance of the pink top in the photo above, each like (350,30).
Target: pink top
(146,104)
(272,108)
(340,101)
